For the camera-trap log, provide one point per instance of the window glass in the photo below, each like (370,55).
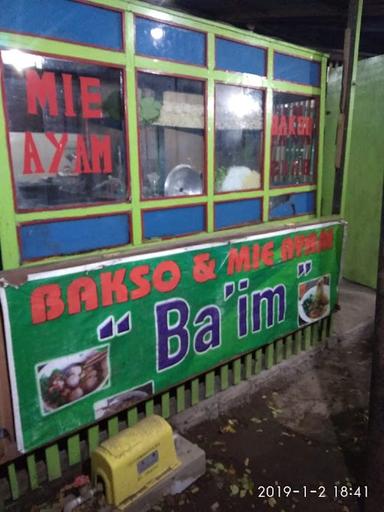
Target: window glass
(66,130)
(239,129)
(172,128)
(294,140)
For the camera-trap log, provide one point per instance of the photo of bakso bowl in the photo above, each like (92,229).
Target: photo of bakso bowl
(67,379)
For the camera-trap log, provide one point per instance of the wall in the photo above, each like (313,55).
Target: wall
(365,173)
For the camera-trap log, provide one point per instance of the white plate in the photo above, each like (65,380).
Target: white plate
(308,294)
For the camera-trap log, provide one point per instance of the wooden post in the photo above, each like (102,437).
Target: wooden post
(347,100)
(7,434)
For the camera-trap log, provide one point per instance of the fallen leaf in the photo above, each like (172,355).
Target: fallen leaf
(256,420)
(215,506)
(194,489)
(272,502)
(219,466)
(243,493)
(246,462)
(234,490)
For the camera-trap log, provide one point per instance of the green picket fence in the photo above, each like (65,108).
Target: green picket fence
(29,472)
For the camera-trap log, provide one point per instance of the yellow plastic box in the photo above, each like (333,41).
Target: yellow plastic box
(134,460)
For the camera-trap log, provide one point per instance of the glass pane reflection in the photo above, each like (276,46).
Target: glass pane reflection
(239,128)
(172,128)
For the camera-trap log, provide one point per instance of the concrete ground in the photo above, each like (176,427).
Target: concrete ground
(291,438)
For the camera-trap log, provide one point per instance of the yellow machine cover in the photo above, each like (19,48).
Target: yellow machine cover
(135,459)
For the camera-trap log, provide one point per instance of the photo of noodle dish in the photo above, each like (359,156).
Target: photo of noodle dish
(314,299)
(65,380)
(124,400)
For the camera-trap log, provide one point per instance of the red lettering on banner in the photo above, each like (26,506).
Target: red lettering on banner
(137,276)
(287,249)
(326,239)
(113,288)
(60,146)
(31,156)
(310,243)
(239,260)
(203,268)
(166,267)
(46,303)
(41,89)
(267,255)
(88,97)
(82,291)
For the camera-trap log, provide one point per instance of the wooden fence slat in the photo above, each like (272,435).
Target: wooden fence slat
(93,438)
(195,395)
(74,453)
(149,407)
(288,346)
(32,472)
(297,342)
(269,356)
(248,366)
(13,482)
(52,458)
(113,426)
(279,350)
(258,361)
(180,398)
(236,368)
(224,377)
(133,416)
(209,384)
(165,405)
(307,338)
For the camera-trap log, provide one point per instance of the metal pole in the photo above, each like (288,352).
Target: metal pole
(375,452)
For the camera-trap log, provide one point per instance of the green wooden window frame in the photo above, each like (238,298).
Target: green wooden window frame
(10,219)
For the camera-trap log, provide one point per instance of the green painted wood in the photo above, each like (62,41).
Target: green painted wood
(195,394)
(224,377)
(13,482)
(32,472)
(180,398)
(149,407)
(52,458)
(165,405)
(297,342)
(74,453)
(279,350)
(288,346)
(236,368)
(269,355)
(133,416)
(93,438)
(248,366)
(307,337)
(258,361)
(113,426)
(209,384)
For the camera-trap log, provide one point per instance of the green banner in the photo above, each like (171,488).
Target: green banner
(86,342)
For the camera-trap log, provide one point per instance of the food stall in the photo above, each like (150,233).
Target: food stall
(161,179)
